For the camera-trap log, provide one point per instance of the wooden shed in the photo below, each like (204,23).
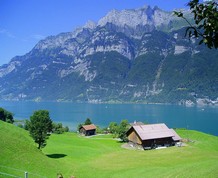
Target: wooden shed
(88,130)
(152,135)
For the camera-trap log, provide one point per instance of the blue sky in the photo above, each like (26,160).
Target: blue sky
(24,22)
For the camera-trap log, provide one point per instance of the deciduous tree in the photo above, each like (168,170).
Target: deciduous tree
(113,127)
(123,127)
(79,126)
(39,127)
(206,22)
(58,128)
(6,116)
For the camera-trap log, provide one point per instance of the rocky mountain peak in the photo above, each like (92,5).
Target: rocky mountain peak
(140,20)
(129,55)
(90,24)
(135,17)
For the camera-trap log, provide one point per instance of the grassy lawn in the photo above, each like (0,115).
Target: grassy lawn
(103,157)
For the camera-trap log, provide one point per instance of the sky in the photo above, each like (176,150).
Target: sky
(24,22)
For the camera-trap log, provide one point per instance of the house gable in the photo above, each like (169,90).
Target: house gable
(134,137)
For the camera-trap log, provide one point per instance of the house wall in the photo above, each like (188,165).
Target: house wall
(90,132)
(82,131)
(133,137)
(87,132)
(154,142)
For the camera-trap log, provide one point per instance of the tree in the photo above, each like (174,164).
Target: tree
(79,126)
(26,124)
(88,122)
(206,22)
(58,128)
(99,130)
(123,128)
(113,127)
(6,116)
(39,127)
(66,129)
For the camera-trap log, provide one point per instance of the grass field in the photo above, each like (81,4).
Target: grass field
(103,157)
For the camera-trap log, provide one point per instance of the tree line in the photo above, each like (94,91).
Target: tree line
(40,126)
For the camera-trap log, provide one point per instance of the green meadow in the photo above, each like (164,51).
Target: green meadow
(103,157)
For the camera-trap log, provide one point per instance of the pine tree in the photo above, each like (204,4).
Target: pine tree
(88,121)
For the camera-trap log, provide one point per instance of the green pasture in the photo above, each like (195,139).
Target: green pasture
(103,157)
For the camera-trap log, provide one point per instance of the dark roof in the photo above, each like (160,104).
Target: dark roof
(154,131)
(89,127)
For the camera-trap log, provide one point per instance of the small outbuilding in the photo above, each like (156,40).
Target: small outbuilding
(152,135)
(88,130)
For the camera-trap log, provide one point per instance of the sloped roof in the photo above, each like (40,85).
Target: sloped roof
(153,131)
(176,137)
(89,127)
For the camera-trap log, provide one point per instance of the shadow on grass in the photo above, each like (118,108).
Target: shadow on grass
(56,156)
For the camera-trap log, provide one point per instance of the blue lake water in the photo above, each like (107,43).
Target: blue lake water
(71,114)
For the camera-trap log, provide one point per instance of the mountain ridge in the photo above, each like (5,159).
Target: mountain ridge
(116,60)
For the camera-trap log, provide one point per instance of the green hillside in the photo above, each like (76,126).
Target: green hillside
(101,156)
(19,153)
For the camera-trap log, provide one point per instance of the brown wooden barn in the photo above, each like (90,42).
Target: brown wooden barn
(88,130)
(152,135)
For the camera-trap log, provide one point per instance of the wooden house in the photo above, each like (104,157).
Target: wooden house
(88,130)
(152,135)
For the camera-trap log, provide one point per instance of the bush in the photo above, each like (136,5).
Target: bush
(6,116)
(123,127)
(58,128)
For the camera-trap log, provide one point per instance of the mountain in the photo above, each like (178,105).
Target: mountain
(137,55)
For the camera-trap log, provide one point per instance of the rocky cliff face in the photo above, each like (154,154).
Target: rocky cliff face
(137,55)
(137,17)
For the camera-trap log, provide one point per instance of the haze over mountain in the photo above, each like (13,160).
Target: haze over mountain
(137,55)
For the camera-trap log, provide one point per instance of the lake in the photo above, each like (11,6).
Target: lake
(203,119)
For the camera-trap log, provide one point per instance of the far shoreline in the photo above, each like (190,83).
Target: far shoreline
(115,102)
